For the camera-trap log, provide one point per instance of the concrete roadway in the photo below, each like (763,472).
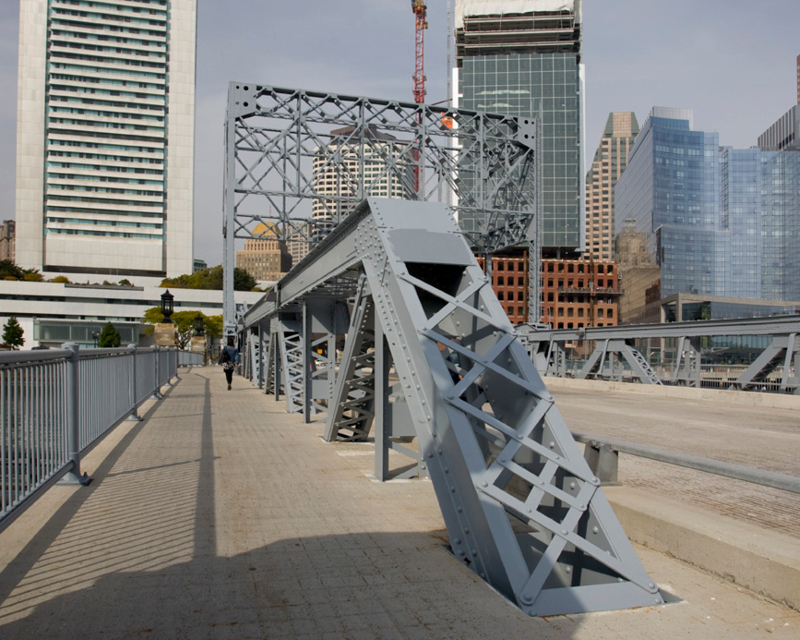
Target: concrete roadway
(760,437)
(220,516)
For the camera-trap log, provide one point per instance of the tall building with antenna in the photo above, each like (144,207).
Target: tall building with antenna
(105,137)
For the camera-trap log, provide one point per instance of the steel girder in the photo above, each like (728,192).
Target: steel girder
(522,508)
(606,352)
(782,353)
(287,148)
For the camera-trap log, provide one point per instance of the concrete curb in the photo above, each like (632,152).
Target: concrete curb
(740,398)
(765,562)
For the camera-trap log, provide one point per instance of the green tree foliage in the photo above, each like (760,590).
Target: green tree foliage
(211,279)
(61,279)
(10,271)
(109,337)
(184,322)
(13,333)
(213,327)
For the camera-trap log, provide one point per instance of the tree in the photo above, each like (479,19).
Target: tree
(61,280)
(211,279)
(32,275)
(109,337)
(184,323)
(13,333)
(10,271)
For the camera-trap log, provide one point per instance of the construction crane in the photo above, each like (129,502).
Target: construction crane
(421,15)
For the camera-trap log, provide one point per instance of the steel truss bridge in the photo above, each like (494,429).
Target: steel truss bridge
(614,351)
(298,162)
(431,365)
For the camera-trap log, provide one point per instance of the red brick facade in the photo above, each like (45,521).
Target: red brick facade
(579,294)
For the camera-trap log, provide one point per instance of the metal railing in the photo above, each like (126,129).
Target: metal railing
(602,454)
(190,359)
(56,404)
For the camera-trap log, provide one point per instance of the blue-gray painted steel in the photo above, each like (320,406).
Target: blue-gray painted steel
(522,508)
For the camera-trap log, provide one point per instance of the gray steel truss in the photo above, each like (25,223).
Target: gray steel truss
(547,348)
(606,352)
(298,162)
(431,356)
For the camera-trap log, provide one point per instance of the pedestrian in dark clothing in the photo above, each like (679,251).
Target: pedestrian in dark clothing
(229,358)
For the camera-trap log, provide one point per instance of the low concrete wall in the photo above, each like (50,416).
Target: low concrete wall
(741,398)
(762,561)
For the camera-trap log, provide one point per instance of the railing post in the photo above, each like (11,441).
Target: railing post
(135,412)
(157,390)
(168,372)
(73,416)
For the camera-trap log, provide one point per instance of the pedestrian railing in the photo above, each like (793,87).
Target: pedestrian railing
(56,404)
(190,359)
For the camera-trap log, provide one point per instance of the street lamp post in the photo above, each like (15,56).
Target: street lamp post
(167,306)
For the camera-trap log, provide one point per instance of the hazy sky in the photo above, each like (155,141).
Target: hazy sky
(732,61)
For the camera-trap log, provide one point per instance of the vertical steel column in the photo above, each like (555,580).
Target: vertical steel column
(229,224)
(135,410)
(383,412)
(308,361)
(276,363)
(787,363)
(74,476)
(262,350)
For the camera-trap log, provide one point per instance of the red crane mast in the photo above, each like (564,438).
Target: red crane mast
(420,14)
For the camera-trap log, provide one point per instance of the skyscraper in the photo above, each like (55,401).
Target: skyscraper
(355,167)
(671,189)
(610,161)
(523,58)
(105,136)
(719,221)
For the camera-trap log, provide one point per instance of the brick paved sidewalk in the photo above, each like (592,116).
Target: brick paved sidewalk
(221,516)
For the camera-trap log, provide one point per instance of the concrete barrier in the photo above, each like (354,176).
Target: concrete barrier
(765,562)
(740,398)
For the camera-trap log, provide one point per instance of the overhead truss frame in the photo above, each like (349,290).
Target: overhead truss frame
(298,162)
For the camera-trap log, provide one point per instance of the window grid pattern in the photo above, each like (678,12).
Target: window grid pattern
(545,86)
(106,118)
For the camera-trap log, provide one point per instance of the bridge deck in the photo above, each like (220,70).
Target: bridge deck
(220,516)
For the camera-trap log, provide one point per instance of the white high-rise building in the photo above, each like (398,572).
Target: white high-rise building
(105,136)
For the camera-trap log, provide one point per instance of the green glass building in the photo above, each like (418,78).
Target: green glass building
(529,64)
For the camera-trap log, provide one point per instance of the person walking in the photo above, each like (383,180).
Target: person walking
(229,358)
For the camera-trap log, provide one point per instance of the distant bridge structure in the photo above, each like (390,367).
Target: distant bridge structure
(611,353)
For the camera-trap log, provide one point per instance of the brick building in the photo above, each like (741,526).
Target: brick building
(579,293)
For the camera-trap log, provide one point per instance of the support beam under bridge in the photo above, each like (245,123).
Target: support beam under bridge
(522,508)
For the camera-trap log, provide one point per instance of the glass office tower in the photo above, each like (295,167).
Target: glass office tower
(523,59)
(720,221)
(671,190)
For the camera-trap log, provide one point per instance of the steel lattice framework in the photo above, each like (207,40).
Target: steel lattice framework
(431,364)
(289,151)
